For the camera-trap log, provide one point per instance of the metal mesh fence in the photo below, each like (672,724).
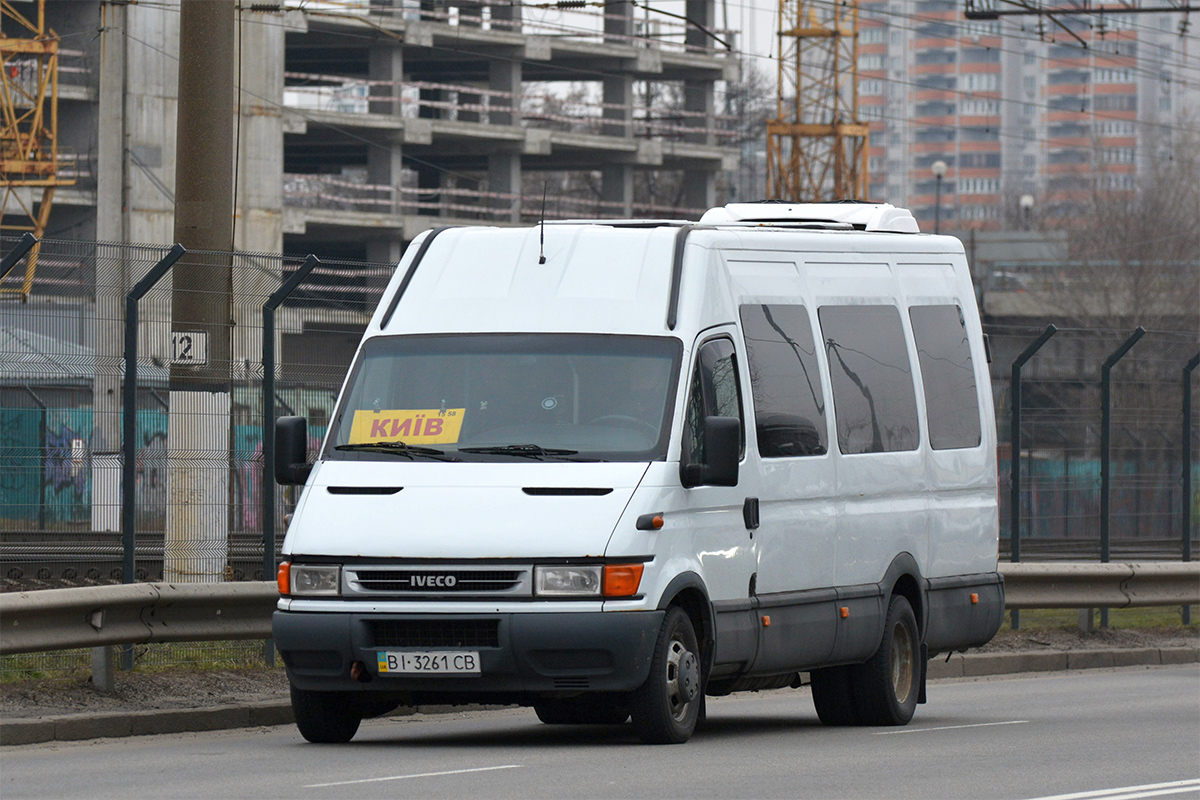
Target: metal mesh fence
(61,408)
(1062,436)
(198,488)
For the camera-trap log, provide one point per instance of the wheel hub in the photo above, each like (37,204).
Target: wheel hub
(902,663)
(689,676)
(683,678)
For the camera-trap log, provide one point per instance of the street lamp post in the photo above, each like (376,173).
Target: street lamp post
(939,172)
(1026,203)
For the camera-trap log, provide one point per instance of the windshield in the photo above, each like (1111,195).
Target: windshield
(504,397)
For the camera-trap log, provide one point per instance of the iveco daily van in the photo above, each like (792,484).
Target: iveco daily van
(605,469)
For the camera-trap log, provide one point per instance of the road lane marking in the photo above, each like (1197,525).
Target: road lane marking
(1132,792)
(953,727)
(416,775)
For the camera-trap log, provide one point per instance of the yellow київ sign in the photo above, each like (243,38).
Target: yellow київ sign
(424,426)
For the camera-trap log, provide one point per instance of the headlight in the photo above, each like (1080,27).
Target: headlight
(312,579)
(568,581)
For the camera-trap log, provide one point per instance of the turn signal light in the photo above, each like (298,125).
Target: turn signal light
(284,578)
(974,598)
(622,580)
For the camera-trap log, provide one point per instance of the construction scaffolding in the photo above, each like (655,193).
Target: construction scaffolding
(29,158)
(816,145)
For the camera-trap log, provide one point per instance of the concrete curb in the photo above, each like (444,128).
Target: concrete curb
(72,727)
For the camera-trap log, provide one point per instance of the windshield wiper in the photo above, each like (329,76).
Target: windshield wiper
(398,449)
(520,450)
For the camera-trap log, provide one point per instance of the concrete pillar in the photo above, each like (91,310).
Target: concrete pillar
(504,177)
(505,76)
(386,64)
(703,14)
(698,98)
(195,545)
(618,21)
(112,282)
(508,15)
(259,190)
(699,189)
(617,187)
(618,106)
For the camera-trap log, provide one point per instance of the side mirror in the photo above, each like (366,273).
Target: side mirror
(722,445)
(291,451)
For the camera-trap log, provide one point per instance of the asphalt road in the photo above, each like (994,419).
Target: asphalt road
(1096,735)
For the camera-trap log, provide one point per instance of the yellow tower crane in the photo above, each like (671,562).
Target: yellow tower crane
(816,145)
(28,127)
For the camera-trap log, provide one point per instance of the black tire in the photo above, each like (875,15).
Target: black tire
(325,717)
(886,687)
(587,710)
(833,696)
(666,707)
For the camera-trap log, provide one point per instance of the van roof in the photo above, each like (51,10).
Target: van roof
(842,215)
(874,217)
(612,276)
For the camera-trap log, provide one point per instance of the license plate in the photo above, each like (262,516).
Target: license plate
(429,662)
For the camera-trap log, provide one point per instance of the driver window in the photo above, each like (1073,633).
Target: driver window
(714,392)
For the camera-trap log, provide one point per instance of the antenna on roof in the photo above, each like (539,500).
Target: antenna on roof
(542,226)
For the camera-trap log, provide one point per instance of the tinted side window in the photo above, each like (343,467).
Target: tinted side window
(951,400)
(714,392)
(873,398)
(789,408)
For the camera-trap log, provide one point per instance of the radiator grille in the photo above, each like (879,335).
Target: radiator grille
(438,581)
(434,633)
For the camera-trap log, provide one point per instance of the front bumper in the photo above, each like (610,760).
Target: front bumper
(532,653)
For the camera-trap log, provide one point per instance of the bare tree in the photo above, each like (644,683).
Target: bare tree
(1135,243)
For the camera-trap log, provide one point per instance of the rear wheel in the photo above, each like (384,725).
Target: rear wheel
(666,707)
(886,686)
(325,717)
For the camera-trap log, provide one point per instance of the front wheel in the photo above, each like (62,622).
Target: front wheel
(885,688)
(666,707)
(325,717)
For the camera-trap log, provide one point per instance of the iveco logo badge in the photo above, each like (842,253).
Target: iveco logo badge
(434,581)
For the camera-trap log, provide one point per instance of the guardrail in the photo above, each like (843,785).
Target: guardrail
(135,613)
(1128,585)
(139,613)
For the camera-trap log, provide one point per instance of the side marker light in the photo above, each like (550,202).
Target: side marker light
(974,598)
(844,611)
(766,621)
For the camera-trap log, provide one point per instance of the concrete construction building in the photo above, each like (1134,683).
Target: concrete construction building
(1018,107)
(364,122)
